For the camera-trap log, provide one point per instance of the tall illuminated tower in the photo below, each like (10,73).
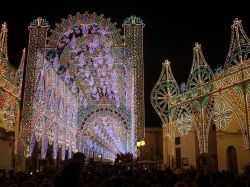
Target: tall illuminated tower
(133,49)
(37,40)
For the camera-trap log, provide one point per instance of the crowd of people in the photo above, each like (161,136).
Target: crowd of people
(77,173)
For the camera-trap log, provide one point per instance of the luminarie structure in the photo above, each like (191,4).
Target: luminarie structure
(11,81)
(84,86)
(207,97)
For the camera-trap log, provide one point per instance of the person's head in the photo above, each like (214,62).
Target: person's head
(180,184)
(91,185)
(79,156)
(157,185)
(14,185)
(28,184)
(46,185)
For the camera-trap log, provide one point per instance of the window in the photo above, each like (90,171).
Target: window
(177,141)
(184,161)
(213,127)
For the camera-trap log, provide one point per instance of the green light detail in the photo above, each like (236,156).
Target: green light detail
(204,101)
(197,104)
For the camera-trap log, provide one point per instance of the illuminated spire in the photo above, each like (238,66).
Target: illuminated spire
(133,20)
(198,58)
(164,89)
(3,39)
(169,75)
(20,71)
(239,46)
(200,70)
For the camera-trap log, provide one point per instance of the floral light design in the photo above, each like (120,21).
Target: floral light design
(222,114)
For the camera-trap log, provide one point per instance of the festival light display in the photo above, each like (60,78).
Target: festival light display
(55,111)
(222,114)
(78,89)
(133,33)
(165,88)
(10,89)
(207,96)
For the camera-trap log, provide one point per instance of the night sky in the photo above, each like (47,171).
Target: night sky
(171,31)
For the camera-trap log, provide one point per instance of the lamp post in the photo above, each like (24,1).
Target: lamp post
(139,145)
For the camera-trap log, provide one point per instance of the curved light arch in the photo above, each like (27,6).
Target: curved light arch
(107,127)
(92,45)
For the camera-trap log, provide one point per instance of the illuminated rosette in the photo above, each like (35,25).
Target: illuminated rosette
(222,114)
(184,125)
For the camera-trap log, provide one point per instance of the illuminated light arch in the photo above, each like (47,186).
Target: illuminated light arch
(125,118)
(223,110)
(108,124)
(85,56)
(238,97)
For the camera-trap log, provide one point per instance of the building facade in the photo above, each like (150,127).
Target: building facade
(153,145)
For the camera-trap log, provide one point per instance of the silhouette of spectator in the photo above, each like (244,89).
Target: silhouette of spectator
(70,174)
(28,184)
(180,184)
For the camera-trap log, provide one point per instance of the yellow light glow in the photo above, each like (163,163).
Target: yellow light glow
(138,144)
(143,143)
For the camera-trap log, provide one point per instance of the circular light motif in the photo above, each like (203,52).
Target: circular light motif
(222,114)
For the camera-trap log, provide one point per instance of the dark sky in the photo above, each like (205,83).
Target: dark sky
(170,33)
